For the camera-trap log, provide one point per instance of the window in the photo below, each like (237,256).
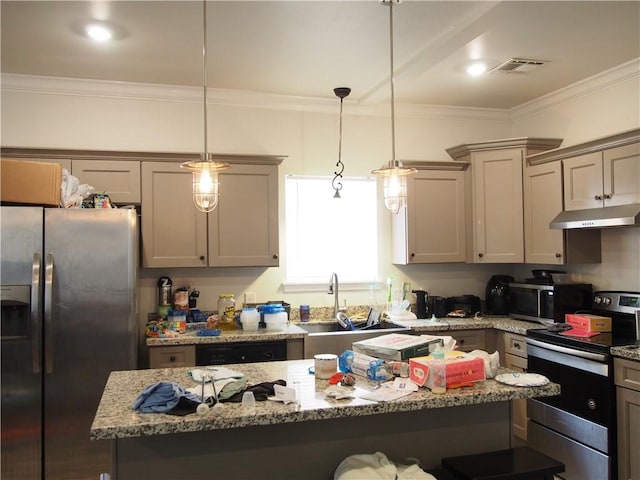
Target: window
(326,234)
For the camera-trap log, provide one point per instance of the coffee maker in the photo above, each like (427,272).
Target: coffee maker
(422,310)
(497,294)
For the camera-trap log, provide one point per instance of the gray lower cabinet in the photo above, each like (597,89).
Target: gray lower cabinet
(627,378)
(172,356)
(513,350)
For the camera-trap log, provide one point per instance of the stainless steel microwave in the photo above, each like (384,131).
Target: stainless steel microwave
(548,303)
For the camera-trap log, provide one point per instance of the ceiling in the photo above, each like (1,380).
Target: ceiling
(306,48)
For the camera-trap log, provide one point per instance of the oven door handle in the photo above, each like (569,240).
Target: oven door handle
(599,357)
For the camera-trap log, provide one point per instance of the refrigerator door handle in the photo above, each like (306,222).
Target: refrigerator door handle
(35,312)
(48,314)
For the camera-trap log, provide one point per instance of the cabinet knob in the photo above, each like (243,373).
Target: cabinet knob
(202,257)
(481,255)
(172,358)
(598,197)
(607,196)
(413,255)
(516,345)
(558,255)
(275,256)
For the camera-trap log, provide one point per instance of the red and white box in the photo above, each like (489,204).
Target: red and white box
(588,323)
(460,367)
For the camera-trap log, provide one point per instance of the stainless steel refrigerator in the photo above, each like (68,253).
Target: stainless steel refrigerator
(69,318)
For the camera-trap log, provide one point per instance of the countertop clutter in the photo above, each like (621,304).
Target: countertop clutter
(504,324)
(115,417)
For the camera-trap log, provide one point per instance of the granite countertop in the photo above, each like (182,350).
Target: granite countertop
(115,418)
(293,331)
(631,352)
(262,335)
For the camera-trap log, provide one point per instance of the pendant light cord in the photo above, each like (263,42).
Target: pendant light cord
(204,75)
(391,82)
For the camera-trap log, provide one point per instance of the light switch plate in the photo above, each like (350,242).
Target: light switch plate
(250,297)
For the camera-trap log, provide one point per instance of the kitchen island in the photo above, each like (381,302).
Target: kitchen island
(305,439)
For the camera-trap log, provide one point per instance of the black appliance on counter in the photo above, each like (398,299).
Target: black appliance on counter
(437,306)
(497,294)
(422,308)
(578,427)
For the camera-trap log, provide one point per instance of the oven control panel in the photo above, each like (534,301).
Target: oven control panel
(620,302)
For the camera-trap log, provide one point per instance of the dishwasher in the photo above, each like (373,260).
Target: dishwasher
(241,352)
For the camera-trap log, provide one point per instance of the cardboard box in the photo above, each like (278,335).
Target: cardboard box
(460,367)
(31,183)
(589,323)
(397,346)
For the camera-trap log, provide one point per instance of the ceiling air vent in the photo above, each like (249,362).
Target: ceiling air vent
(518,65)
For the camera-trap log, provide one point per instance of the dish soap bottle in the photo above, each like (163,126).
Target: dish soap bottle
(438,372)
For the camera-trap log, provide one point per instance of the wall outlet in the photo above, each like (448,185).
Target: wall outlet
(250,297)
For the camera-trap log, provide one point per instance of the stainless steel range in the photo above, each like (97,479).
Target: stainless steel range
(578,427)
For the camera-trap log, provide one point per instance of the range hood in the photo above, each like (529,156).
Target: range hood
(605,217)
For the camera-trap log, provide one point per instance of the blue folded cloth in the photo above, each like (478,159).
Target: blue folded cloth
(162,397)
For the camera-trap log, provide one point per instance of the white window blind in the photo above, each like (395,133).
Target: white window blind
(326,234)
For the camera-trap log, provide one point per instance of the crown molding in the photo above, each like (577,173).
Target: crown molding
(584,88)
(45,85)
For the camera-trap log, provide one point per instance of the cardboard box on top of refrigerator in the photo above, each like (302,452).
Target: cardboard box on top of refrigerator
(397,346)
(30,183)
(460,367)
(588,323)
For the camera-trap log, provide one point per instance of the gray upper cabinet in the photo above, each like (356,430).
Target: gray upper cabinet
(494,182)
(542,202)
(241,231)
(174,233)
(432,227)
(119,179)
(602,179)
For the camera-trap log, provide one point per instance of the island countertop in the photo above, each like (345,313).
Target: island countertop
(116,419)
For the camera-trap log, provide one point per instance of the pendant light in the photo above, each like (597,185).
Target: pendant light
(205,171)
(393,175)
(336,184)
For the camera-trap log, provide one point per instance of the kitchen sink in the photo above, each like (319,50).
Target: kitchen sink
(332,338)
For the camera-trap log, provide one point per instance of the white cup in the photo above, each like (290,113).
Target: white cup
(326,364)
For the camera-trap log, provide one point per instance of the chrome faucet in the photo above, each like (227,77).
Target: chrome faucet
(333,290)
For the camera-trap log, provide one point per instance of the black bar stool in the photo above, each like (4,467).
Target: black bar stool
(521,463)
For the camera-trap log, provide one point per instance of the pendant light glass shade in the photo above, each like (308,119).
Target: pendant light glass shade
(393,175)
(205,171)
(394,185)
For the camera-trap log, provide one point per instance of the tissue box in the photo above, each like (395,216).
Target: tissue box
(32,183)
(397,346)
(588,322)
(460,368)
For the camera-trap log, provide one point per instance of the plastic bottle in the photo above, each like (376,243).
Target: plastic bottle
(275,317)
(438,372)
(250,319)
(226,311)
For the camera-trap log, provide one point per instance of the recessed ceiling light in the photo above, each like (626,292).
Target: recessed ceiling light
(476,69)
(98,32)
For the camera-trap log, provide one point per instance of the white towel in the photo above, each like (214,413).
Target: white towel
(377,467)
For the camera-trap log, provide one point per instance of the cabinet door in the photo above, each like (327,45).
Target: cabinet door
(622,175)
(498,206)
(174,233)
(628,418)
(542,202)
(243,229)
(519,407)
(432,227)
(583,181)
(120,180)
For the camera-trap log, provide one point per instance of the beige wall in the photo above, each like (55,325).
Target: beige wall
(55,115)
